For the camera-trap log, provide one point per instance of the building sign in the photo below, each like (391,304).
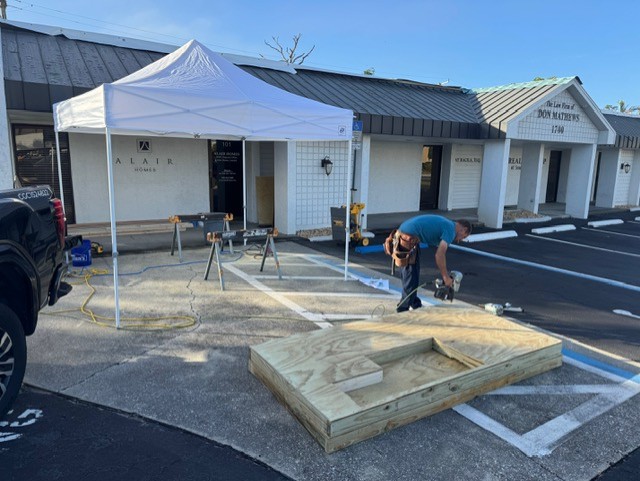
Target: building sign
(466,172)
(514,167)
(561,119)
(145,165)
(227,155)
(558,111)
(144,145)
(357,135)
(226,179)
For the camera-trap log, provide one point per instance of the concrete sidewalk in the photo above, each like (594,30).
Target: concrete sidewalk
(196,377)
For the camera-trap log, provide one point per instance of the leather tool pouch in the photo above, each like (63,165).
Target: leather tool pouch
(402,248)
(388,243)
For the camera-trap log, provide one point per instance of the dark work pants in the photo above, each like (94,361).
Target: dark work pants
(410,275)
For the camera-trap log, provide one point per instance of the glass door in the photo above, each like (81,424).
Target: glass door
(430,180)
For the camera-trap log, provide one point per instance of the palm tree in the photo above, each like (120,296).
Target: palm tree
(623,108)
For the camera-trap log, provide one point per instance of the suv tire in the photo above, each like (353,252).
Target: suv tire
(13,357)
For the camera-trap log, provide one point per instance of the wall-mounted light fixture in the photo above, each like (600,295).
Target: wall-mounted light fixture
(327,165)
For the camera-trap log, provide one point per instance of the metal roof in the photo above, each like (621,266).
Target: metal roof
(45,65)
(395,107)
(627,129)
(526,85)
(495,106)
(41,69)
(102,38)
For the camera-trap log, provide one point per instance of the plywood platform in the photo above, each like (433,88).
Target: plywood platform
(362,378)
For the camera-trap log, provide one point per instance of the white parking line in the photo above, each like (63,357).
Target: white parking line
(319,319)
(346,317)
(624,312)
(302,264)
(382,286)
(602,280)
(392,297)
(543,439)
(311,316)
(555,390)
(303,278)
(582,245)
(612,232)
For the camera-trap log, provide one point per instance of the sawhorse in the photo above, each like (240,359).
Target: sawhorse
(217,238)
(205,218)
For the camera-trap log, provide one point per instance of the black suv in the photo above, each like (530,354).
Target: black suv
(32,265)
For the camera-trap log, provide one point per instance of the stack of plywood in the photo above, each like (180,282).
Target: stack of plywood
(363,378)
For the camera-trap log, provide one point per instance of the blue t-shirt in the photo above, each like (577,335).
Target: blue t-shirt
(430,229)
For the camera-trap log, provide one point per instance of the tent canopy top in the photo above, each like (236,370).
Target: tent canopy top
(195,92)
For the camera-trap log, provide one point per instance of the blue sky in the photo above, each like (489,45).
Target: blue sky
(471,43)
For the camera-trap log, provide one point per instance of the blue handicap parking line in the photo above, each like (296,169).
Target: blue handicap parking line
(369,249)
(628,375)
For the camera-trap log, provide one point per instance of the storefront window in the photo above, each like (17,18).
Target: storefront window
(36,161)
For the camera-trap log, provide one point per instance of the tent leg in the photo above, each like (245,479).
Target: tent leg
(347,224)
(244,188)
(112,216)
(59,168)
(66,254)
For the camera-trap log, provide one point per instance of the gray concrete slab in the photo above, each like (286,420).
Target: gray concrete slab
(196,378)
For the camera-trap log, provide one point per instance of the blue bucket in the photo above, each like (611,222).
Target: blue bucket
(81,255)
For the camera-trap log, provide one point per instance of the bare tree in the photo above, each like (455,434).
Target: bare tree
(3,9)
(289,54)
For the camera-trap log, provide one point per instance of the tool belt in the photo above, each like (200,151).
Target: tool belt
(402,248)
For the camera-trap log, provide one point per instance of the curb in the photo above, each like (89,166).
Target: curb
(599,223)
(532,220)
(491,236)
(321,238)
(554,228)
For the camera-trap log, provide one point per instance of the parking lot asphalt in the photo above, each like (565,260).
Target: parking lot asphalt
(51,437)
(195,378)
(571,423)
(567,287)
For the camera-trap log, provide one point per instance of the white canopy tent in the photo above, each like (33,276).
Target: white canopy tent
(196,93)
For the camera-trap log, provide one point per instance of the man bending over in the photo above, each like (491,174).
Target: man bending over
(435,231)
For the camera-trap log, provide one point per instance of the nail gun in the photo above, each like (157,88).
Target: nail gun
(444,292)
